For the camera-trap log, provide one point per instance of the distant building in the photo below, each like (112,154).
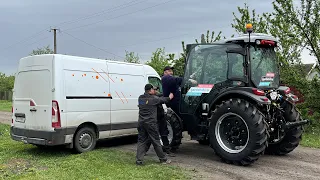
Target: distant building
(311,72)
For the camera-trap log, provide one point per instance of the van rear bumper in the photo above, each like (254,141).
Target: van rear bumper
(48,138)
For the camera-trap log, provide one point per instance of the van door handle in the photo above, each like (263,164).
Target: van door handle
(34,110)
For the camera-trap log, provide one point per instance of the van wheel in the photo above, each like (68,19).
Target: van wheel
(85,140)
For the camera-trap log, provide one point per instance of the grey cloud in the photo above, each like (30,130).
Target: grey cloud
(24,18)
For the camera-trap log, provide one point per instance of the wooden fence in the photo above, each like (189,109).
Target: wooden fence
(6,95)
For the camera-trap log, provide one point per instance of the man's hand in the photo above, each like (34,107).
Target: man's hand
(171,96)
(193,81)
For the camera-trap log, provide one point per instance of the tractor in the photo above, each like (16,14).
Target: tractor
(237,105)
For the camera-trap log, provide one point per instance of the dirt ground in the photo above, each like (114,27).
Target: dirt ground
(5,117)
(303,163)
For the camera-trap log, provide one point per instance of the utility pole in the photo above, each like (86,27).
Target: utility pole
(54,40)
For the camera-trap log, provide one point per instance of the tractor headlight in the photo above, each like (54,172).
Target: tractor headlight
(273,95)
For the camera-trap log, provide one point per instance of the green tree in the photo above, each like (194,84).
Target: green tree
(304,22)
(258,22)
(43,50)
(208,38)
(159,60)
(6,82)
(131,57)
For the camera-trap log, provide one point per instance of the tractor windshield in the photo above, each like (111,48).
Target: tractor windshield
(264,68)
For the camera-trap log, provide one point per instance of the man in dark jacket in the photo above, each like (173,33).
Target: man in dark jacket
(163,129)
(172,84)
(147,125)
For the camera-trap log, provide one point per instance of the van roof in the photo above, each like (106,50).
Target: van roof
(147,67)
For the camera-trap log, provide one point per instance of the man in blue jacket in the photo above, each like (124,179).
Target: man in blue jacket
(172,84)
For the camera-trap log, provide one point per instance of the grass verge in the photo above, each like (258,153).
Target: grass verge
(311,137)
(5,106)
(21,161)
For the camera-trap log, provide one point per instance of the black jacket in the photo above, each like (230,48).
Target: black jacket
(148,107)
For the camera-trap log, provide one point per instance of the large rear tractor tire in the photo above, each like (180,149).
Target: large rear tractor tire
(175,128)
(238,132)
(292,138)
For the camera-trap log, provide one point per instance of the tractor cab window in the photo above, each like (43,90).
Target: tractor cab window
(236,68)
(208,65)
(264,68)
(156,82)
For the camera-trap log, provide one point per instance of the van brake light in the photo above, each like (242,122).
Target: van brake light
(12,113)
(56,123)
(32,103)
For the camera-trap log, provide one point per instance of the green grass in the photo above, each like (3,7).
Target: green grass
(311,138)
(21,161)
(5,106)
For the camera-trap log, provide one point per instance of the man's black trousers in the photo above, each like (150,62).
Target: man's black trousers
(149,132)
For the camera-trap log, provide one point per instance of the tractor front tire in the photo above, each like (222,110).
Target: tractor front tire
(238,132)
(204,142)
(292,138)
(176,129)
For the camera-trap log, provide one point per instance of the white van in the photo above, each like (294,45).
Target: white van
(61,99)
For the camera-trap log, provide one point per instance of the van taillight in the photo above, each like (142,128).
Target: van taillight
(12,113)
(32,103)
(56,123)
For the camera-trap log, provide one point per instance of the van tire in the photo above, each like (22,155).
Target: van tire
(81,139)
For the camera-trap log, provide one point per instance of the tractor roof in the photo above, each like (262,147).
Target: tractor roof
(253,37)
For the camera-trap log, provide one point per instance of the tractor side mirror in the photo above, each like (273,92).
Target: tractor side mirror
(236,51)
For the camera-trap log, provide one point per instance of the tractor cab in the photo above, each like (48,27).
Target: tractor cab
(248,61)
(231,98)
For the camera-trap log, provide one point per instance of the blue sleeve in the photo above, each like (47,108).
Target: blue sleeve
(179,80)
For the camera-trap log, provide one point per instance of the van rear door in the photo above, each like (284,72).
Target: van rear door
(33,95)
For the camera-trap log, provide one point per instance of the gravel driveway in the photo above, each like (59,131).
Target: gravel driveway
(303,163)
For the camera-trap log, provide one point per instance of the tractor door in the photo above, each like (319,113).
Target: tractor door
(211,66)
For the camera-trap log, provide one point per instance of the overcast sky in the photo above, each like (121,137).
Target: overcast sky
(114,26)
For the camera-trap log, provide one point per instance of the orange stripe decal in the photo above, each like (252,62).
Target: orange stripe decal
(99,75)
(119,97)
(108,75)
(124,97)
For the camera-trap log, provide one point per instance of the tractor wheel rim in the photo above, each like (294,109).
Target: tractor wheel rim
(232,133)
(170,135)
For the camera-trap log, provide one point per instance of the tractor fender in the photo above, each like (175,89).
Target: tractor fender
(237,93)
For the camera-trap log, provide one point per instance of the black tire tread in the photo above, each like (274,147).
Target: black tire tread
(76,148)
(177,129)
(261,142)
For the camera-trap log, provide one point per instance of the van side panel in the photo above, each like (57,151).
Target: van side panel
(87,93)
(127,84)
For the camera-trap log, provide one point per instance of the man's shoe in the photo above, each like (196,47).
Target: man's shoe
(168,161)
(170,154)
(139,163)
